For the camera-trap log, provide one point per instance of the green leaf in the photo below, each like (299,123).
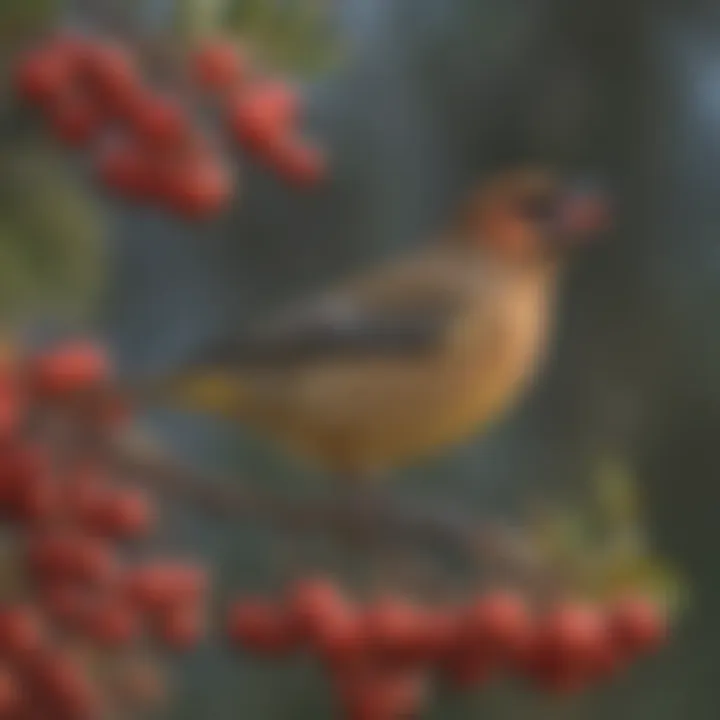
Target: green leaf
(21,17)
(290,36)
(617,498)
(651,578)
(50,236)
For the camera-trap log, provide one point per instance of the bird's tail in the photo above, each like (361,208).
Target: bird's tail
(217,392)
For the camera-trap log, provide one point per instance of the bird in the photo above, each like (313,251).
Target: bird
(402,362)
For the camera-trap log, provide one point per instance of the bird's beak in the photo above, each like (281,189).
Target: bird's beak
(583,213)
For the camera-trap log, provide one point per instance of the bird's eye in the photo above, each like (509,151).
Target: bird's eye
(538,208)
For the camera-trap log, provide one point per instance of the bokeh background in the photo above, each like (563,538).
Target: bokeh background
(414,101)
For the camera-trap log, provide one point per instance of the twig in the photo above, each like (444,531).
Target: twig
(492,544)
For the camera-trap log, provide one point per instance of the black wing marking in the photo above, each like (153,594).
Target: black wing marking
(402,309)
(333,331)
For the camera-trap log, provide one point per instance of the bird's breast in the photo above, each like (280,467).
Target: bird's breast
(498,353)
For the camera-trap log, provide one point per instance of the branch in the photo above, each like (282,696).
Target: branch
(386,521)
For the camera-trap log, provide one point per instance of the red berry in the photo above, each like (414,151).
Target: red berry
(84,496)
(218,66)
(339,638)
(40,78)
(26,489)
(112,412)
(570,648)
(500,625)
(584,216)
(125,169)
(11,404)
(121,514)
(262,114)
(374,693)
(201,189)
(113,624)
(311,600)
(21,632)
(159,586)
(21,463)
(94,563)
(260,627)
(64,686)
(60,556)
(10,411)
(11,696)
(38,500)
(439,634)
(150,588)
(69,369)
(70,46)
(75,121)
(638,626)
(469,670)
(110,76)
(323,617)
(297,162)
(465,662)
(65,603)
(191,583)
(396,630)
(160,122)
(182,627)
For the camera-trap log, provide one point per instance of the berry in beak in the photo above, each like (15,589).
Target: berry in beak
(583,212)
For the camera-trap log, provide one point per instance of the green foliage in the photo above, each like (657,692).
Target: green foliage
(20,17)
(294,35)
(601,547)
(50,254)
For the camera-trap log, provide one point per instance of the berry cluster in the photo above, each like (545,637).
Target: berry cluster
(82,588)
(151,145)
(74,528)
(380,657)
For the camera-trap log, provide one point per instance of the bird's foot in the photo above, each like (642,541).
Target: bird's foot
(362,513)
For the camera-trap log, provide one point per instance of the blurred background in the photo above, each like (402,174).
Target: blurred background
(413,100)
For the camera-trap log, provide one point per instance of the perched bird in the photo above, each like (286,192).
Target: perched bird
(402,362)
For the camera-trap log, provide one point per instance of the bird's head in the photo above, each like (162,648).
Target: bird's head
(532,214)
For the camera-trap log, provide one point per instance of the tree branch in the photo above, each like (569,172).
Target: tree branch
(494,545)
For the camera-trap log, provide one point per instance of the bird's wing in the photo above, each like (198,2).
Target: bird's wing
(406,309)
